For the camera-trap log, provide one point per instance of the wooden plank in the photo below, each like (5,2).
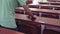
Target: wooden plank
(53,6)
(39,10)
(6,31)
(54,3)
(39,20)
(58,6)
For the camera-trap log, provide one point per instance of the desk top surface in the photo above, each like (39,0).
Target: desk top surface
(6,31)
(44,5)
(41,20)
(41,10)
(50,2)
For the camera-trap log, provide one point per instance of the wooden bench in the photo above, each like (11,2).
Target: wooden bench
(28,27)
(40,11)
(44,22)
(53,7)
(7,31)
(50,3)
(41,20)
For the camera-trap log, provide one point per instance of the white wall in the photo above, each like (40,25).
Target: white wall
(36,1)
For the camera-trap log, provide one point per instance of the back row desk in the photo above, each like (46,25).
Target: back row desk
(40,20)
(50,3)
(44,5)
(40,10)
(6,31)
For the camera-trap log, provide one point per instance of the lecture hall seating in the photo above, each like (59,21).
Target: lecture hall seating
(50,3)
(51,25)
(27,23)
(52,13)
(52,7)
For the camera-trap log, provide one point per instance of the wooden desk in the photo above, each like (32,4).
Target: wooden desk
(58,6)
(33,5)
(40,10)
(6,31)
(43,5)
(50,3)
(41,20)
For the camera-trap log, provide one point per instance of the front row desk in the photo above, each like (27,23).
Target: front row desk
(41,25)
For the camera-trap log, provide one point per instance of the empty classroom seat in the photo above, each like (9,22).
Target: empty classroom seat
(50,3)
(57,8)
(51,29)
(36,6)
(28,27)
(52,7)
(43,7)
(51,25)
(47,31)
(33,5)
(45,12)
(55,3)
(49,15)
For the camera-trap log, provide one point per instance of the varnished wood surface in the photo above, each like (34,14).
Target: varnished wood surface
(39,10)
(44,5)
(6,31)
(41,20)
(49,3)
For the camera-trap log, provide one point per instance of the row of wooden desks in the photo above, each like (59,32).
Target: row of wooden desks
(44,5)
(50,3)
(40,10)
(6,31)
(41,20)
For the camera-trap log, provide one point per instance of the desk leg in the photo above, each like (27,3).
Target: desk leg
(59,16)
(40,14)
(53,8)
(39,6)
(49,3)
(42,28)
(24,12)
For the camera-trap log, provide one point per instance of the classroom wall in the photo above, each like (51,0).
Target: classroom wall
(36,1)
